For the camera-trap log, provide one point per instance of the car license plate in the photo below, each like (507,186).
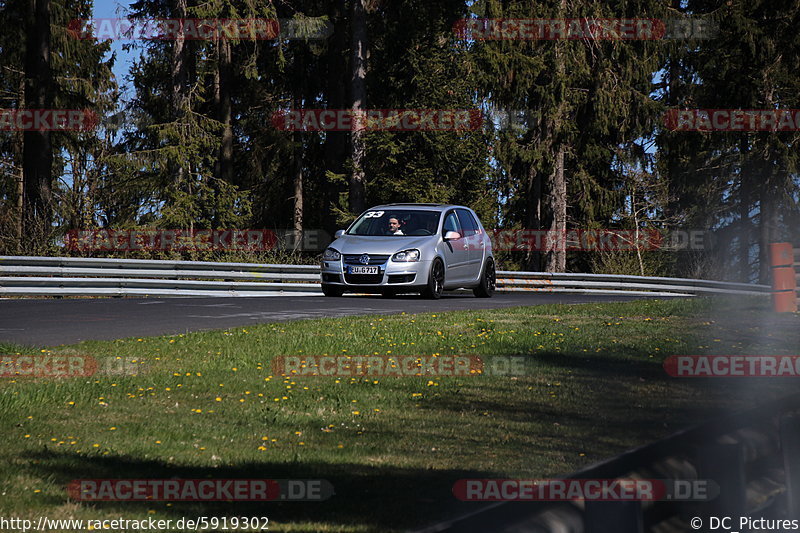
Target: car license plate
(363,270)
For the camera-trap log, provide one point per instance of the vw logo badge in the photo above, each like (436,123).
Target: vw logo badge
(364,259)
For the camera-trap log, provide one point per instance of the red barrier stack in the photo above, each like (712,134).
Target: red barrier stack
(784,279)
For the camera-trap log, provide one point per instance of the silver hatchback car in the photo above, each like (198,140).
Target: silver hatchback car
(423,248)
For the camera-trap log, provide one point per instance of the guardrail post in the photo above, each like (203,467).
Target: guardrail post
(613,517)
(724,464)
(784,279)
(790,448)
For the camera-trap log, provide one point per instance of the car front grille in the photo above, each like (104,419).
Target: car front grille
(355,259)
(364,279)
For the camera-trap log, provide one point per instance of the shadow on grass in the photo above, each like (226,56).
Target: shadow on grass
(598,403)
(366,498)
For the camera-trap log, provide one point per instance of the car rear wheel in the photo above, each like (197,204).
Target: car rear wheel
(332,290)
(488,281)
(433,290)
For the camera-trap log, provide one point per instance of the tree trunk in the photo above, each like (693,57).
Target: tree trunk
(297,200)
(19,203)
(37,152)
(744,213)
(297,211)
(178,75)
(357,105)
(556,197)
(768,231)
(225,161)
(533,216)
(223,166)
(556,200)
(336,88)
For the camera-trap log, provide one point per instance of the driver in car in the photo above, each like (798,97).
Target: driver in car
(394,226)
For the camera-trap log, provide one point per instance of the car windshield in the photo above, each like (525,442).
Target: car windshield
(396,223)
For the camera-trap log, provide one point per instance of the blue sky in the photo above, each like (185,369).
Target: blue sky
(113,9)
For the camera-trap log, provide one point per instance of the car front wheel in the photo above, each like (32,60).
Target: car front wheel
(332,290)
(488,281)
(433,290)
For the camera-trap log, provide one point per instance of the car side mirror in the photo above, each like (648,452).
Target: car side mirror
(339,233)
(452,236)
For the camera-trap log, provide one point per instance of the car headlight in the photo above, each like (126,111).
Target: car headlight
(406,256)
(331,255)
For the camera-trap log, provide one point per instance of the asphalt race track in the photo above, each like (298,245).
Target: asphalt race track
(49,322)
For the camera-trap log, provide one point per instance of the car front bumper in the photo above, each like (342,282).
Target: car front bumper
(391,274)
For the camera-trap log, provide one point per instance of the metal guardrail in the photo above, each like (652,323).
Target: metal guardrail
(79,276)
(752,456)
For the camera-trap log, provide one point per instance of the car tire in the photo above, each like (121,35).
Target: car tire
(332,290)
(433,290)
(488,281)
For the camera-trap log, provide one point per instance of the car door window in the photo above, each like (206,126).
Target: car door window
(467,223)
(451,224)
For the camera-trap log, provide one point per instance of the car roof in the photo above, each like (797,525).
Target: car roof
(438,207)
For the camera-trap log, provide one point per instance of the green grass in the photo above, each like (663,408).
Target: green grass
(207,405)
